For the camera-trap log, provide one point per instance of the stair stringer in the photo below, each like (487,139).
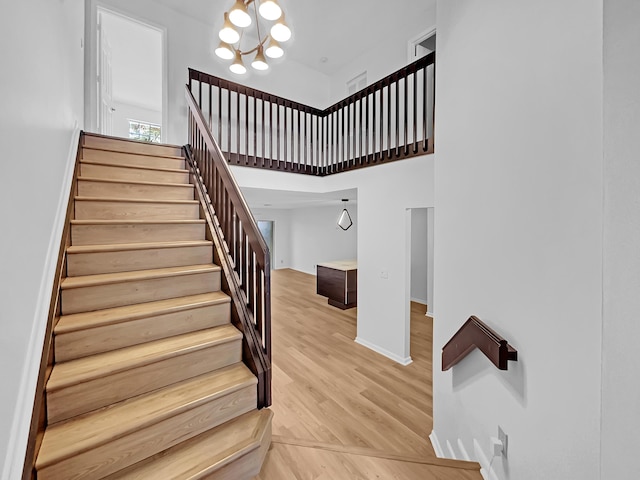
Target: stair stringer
(38,431)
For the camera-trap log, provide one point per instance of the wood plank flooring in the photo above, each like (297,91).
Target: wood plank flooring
(328,389)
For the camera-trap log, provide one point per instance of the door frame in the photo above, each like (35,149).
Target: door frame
(411,44)
(91,55)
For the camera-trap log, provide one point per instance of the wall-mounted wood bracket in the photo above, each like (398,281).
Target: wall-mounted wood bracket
(476,334)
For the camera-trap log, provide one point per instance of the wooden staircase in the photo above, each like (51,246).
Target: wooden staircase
(147,379)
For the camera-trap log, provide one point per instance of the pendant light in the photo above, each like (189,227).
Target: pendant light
(345,222)
(225,51)
(238,66)
(274,50)
(270,10)
(228,34)
(281,31)
(239,15)
(260,63)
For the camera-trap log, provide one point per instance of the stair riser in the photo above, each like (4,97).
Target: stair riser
(88,188)
(83,343)
(131,159)
(247,466)
(85,299)
(143,443)
(131,147)
(123,173)
(131,260)
(97,210)
(87,396)
(119,234)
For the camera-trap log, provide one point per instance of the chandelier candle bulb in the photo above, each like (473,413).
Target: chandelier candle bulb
(270,10)
(280,31)
(274,50)
(260,63)
(225,51)
(239,15)
(228,34)
(238,66)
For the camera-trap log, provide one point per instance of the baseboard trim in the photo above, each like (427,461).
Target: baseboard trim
(429,314)
(435,443)
(382,351)
(419,300)
(485,465)
(15,455)
(463,451)
(370,452)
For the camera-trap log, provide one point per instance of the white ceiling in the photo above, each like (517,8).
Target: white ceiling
(339,30)
(284,199)
(136,52)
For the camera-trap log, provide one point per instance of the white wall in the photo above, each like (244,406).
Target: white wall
(190,43)
(384,194)
(281,256)
(316,237)
(125,112)
(419,264)
(621,329)
(518,228)
(387,55)
(41,96)
(430,257)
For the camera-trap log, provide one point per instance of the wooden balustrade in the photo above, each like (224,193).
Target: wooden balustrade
(240,249)
(392,119)
(476,334)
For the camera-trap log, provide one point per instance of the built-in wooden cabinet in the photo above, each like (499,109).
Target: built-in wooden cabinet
(338,281)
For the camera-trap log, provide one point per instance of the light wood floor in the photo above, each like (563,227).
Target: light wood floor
(328,390)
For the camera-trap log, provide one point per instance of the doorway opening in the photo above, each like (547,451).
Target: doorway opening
(422,45)
(129,78)
(266,228)
(420,228)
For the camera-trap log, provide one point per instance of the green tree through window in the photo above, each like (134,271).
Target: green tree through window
(144,132)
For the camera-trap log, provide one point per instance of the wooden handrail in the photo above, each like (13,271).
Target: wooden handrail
(476,334)
(389,120)
(240,248)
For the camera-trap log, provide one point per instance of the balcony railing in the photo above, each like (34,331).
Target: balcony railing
(390,120)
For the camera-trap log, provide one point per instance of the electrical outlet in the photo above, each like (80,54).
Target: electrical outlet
(503,437)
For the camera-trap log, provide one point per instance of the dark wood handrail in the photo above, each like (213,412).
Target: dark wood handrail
(389,120)
(240,248)
(477,334)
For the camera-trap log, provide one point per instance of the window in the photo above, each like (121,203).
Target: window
(356,84)
(144,132)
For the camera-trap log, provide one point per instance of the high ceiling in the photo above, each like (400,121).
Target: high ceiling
(338,30)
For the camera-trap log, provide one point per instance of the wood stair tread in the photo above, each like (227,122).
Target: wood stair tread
(110,278)
(84,369)
(111,316)
(135,182)
(137,222)
(127,140)
(120,247)
(134,200)
(66,439)
(206,453)
(102,149)
(156,169)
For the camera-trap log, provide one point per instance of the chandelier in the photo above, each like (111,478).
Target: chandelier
(239,18)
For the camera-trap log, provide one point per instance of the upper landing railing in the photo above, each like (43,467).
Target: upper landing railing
(389,120)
